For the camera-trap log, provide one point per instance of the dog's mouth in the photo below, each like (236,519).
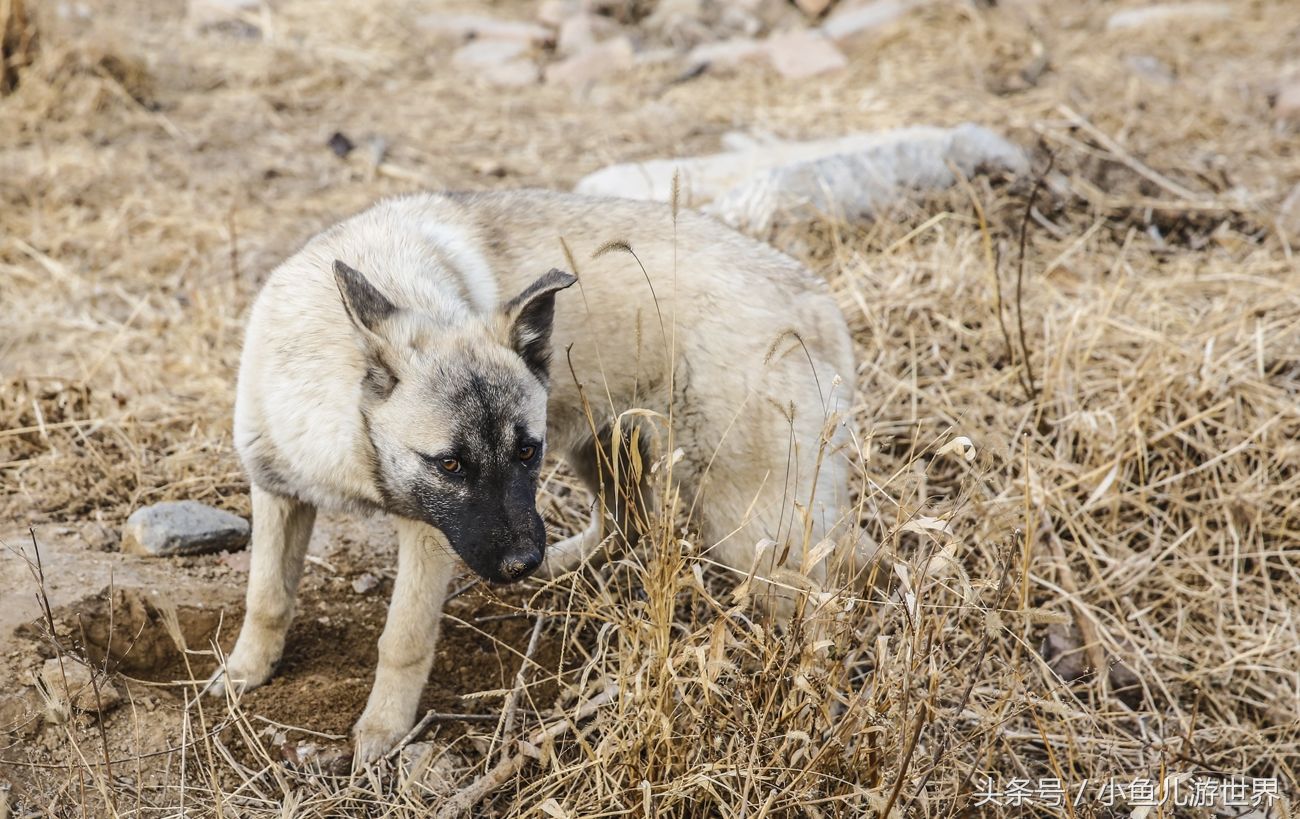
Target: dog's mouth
(505,568)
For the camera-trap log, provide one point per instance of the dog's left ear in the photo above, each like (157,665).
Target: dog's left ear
(369,310)
(528,319)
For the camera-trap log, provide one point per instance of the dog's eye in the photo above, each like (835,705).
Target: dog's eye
(451,466)
(526,453)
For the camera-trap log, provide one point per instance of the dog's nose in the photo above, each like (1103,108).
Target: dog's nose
(518,565)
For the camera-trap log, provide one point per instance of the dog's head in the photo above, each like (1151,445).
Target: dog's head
(456,418)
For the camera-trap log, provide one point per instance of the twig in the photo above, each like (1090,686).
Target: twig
(512,702)
(1031,388)
(429,718)
(994,261)
(469,796)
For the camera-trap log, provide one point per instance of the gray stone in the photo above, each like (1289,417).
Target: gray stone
(365,584)
(182,528)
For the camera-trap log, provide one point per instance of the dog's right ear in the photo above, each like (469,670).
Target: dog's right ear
(368,308)
(528,317)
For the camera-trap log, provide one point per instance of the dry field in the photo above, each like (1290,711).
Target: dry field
(1109,586)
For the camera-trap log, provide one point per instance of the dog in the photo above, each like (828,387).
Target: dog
(419,358)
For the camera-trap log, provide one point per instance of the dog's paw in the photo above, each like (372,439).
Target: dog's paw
(568,555)
(235,679)
(371,740)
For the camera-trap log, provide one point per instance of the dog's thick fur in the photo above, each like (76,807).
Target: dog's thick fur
(402,362)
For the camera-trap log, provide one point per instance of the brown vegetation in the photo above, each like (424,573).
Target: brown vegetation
(1137,497)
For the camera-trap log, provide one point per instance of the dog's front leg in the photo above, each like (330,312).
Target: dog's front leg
(425,565)
(281,529)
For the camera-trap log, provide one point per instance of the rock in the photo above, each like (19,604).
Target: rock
(1287,103)
(800,54)
(512,74)
(850,21)
(860,173)
(182,528)
(1168,13)
(727,53)
(554,12)
(591,65)
(466,26)
(488,52)
(858,186)
(813,8)
(582,31)
(340,144)
(70,683)
(365,584)
(234,17)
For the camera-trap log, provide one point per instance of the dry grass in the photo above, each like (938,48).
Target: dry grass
(1142,489)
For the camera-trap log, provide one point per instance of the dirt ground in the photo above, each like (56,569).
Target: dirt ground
(1144,494)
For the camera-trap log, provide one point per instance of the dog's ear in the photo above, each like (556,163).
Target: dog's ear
(529,318)
(368,308)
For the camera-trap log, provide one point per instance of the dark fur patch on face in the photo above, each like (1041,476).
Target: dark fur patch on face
(486,414)
(486,505)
